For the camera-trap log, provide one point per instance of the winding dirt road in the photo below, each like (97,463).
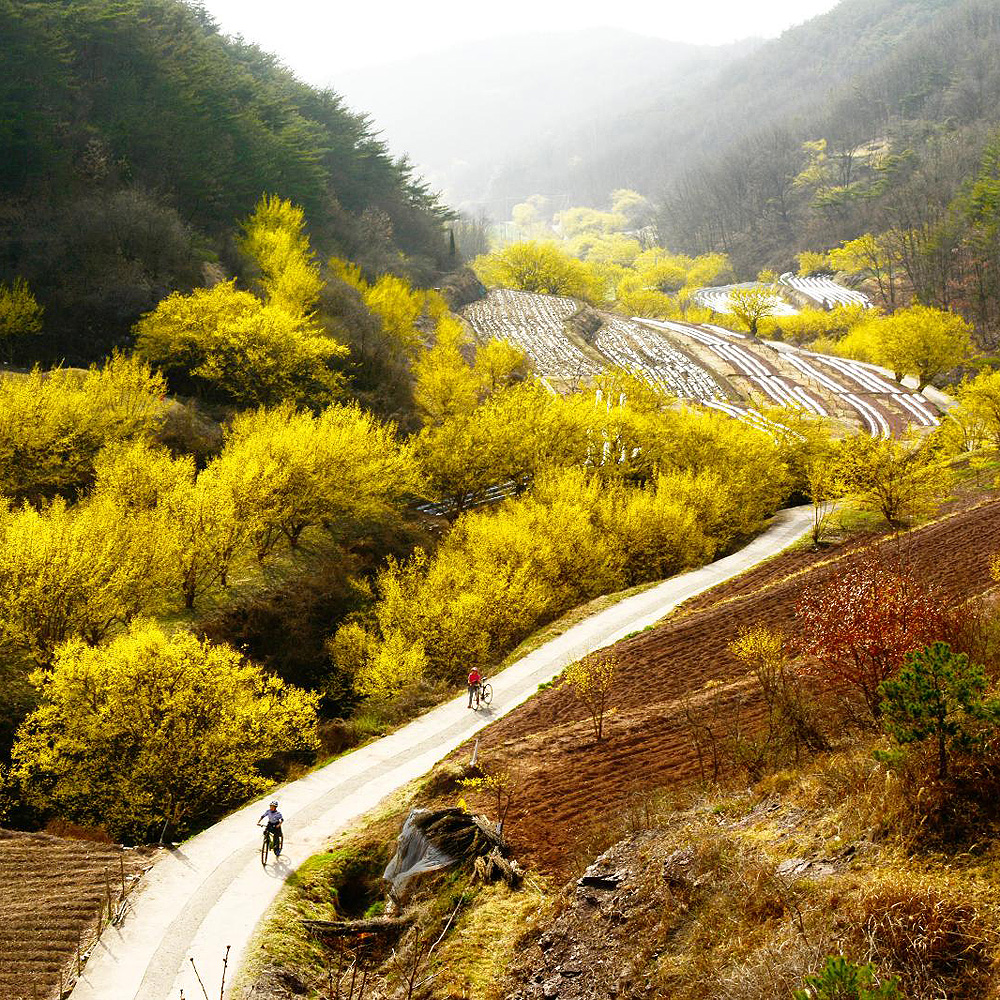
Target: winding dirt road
(210,892)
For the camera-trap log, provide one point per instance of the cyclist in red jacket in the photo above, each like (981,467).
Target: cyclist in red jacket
(474,679)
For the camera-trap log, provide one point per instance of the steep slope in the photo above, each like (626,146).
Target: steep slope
(889,146)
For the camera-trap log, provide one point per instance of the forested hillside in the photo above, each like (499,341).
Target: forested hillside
(132,134)
(897,145)
(647,144)
(872,117)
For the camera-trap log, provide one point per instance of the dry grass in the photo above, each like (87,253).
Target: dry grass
(932,919)
(830,859)
(472,960)
(937,930)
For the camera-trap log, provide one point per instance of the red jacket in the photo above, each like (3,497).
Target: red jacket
(474,678)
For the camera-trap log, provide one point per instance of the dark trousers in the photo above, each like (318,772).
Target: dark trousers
(473,690)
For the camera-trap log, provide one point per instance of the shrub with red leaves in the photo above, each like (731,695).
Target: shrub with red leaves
(856,627)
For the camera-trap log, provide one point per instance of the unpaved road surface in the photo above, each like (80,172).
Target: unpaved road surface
(211,891)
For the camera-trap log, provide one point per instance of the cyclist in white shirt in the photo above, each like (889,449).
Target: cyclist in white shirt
(274,821)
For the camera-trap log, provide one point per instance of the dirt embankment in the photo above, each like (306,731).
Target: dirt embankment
(742,896)
(586,322)
(570,787)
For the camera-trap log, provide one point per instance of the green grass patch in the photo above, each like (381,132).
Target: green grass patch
(342,882)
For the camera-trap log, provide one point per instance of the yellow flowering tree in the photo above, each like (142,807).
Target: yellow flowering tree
(53,424)
(20,314)
(229,345)
(154,732)
(274,239)
(533,266)
(592,679)
(287,470)
(80,571)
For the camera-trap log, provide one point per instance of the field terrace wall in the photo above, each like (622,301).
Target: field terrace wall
(57,898)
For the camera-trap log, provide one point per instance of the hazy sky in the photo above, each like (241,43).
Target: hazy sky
(321,38)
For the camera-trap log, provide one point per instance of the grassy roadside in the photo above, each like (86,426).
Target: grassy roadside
(343,882)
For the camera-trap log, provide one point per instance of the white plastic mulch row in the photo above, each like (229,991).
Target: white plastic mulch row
(748,416)
(868,380)
(533,323)
(630,346)
(785,394)
(766,379)
(813,372)
(717,299)
(722,330)
(874,419)
(825,291)
(913,404)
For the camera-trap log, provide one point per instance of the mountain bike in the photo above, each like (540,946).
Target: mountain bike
(485,693)
(267,846)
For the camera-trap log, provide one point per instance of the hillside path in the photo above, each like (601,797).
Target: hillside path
(211,891)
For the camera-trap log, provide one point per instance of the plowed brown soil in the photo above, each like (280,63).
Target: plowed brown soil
(53,891)
(570,786)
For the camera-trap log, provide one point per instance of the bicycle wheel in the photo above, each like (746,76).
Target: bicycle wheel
(265,848)
(486,694)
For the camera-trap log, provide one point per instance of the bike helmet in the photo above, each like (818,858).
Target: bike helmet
(274,802)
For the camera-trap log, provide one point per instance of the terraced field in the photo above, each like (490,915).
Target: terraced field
(825,292)
(535,324)
(54,893)
(627,344)
(761,374)
(708,364)
(827,386)
(717,299)
(570,788)
(846,379)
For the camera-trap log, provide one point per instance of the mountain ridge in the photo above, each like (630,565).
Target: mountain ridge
(456,134)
